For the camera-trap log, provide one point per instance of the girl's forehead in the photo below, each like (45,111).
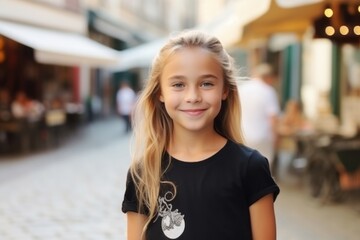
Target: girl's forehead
(189,57)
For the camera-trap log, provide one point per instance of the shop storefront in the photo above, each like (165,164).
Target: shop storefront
(57,78)
(50,62)
(315,47)
(307,45)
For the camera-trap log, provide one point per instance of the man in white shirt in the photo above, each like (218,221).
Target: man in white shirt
(125,99)
(260,110)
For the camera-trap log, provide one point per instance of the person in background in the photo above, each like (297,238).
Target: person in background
(20,106)
(125,99)
(260,111)
(295,132)
(191,176)
(293,120)
(30,113)
(325,121)
(25,108)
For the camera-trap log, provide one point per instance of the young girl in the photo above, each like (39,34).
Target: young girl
(191,176)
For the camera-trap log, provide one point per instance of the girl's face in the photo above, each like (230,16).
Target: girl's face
(192,88)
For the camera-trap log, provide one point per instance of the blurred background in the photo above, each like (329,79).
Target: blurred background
(63,150)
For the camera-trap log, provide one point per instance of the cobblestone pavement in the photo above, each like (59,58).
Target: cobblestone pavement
(75,192)
(303,217)
(76,196)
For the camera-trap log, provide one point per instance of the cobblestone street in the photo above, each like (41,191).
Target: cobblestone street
(75,192)
(75,195)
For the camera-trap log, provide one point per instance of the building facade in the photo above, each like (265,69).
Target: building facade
(45,53)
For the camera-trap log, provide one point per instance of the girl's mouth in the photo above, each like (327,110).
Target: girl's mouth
(193,112)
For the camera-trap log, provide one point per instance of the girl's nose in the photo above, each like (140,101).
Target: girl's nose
(193,95)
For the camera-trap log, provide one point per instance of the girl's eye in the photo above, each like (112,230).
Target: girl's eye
(207,84)
(178,85)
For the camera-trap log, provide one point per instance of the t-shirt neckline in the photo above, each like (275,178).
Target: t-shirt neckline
(203,162)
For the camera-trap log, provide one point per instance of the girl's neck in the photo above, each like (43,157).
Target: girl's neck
(194,147)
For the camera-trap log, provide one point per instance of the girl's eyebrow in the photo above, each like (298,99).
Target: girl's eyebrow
(177,77)
(204,76)
(209,76)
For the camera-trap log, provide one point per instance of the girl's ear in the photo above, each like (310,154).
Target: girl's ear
(161,98)
(159,94)
(225,94)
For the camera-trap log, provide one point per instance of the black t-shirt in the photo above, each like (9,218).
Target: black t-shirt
(213,196)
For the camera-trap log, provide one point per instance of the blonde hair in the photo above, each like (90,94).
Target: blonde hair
(153,126)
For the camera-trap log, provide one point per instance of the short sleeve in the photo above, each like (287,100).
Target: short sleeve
(258,181)
(130,202)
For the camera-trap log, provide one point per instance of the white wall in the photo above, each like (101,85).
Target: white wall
(316,73)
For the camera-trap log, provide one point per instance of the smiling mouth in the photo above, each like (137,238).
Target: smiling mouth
(193,112)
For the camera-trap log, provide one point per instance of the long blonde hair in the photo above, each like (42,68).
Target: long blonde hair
(153,126)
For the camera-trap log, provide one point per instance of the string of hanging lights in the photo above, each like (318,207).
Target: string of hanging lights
(339,22)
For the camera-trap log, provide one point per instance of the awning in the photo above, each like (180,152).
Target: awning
(60,48)
(281,18)
(227,26)
(296,3)
(116,28)
(138,57)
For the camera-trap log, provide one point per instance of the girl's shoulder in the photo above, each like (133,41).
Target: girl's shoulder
(241,149)
(246,156)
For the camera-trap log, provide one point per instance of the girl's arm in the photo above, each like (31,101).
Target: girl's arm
(135,225)
(263,218)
